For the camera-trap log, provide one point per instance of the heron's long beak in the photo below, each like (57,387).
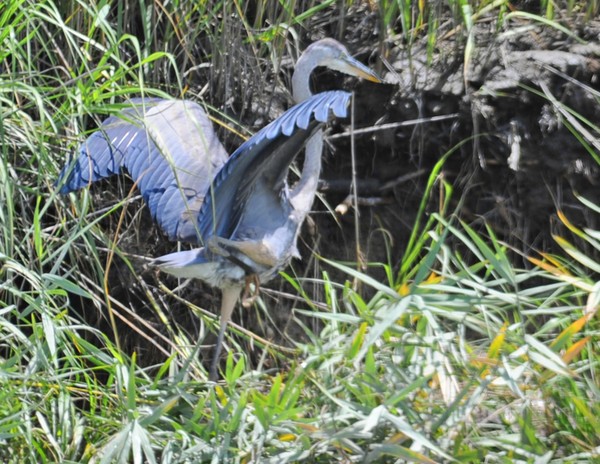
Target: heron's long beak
(354,67)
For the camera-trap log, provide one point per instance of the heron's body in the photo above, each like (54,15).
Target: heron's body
(270,251)
(240,209)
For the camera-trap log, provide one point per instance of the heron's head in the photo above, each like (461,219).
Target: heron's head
(333,55)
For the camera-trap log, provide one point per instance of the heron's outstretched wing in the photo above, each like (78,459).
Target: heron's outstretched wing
(266,156)
(168,147)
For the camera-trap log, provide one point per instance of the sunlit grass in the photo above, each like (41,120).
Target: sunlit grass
(458,355)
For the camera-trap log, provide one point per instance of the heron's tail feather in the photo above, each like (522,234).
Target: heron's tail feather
(186,264)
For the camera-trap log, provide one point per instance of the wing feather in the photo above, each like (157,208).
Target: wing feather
(168,147)
(269,154)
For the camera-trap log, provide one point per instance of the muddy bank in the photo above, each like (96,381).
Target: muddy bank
(519,114)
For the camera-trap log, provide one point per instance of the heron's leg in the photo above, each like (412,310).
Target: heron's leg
(228,299)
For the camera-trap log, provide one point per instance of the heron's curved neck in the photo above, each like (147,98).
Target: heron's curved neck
(303,194)
(301,78)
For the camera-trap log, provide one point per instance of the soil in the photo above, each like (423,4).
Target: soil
(509,114)
(516,103)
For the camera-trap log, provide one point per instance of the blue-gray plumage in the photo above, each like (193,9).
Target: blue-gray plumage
(163,147)
(239,209)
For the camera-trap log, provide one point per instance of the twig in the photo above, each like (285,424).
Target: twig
(393,125)
(400,180)
(360,264)
(351,200)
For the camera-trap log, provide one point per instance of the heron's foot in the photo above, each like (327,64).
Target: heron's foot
(249,296)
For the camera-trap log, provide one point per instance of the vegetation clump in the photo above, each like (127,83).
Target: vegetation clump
(448,315)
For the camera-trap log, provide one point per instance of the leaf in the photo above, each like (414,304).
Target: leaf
(406,428)
(588,203)
(561,274)
(545,357)
(502,268)
(497,342)
(574,350)
(159,411)
(566,335)
(568,224)
(576,254)
(547,22)
(396,451)
(37,231)
(141,446)
(67,285)
(375,284)
(390,314)
(357,341)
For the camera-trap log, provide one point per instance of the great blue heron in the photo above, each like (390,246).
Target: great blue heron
(240,209)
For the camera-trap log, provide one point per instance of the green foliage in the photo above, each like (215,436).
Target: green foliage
(459,355)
